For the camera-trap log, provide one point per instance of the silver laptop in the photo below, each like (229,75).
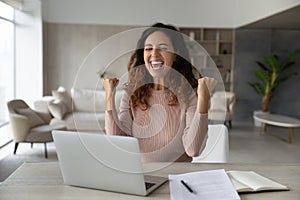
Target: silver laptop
(99,161)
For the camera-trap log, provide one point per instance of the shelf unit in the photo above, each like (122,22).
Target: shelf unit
(218,53)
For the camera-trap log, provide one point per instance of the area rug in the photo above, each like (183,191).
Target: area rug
(25,154)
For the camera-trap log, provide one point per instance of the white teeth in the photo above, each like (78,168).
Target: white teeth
(155,63)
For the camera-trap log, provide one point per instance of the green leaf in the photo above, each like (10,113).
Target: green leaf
(285,78)
(286,66)
(263,75)
(273,62)
(290,57)
(258,88)
(263,66)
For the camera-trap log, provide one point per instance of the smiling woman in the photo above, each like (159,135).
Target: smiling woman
(164,105)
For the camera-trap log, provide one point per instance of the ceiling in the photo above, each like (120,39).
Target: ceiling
(289,19)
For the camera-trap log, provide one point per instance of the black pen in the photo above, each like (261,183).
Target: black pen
(187,187)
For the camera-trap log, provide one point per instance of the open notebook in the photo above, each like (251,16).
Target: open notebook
(249,181)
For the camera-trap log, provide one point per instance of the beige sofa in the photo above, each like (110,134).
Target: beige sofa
(81,109)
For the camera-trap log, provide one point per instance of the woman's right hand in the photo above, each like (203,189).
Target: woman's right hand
(109,85)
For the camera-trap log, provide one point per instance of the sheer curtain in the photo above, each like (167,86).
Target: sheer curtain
(7,82)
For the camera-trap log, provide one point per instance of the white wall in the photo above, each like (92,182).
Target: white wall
(75,52)
(194,13)
(248,11)
(29,54)
(140,12)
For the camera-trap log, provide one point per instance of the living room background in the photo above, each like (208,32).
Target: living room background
(69,36)
(66,46)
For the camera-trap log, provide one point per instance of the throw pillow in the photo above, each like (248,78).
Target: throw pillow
(61,89)
(33,117)
(86,100)
(63,95)
(57,108)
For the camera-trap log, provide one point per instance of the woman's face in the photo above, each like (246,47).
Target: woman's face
(158,54)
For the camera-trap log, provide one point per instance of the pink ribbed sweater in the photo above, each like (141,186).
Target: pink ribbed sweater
(165,133)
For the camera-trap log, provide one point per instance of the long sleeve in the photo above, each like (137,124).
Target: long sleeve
(119,123)
(195,137)
(196,129)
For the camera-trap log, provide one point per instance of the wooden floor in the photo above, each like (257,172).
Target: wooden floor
(249,145)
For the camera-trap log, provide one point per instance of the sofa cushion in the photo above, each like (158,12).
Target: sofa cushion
(222,101)
(33,117)
(62,94)
(85,100)
(82,121)
(219,103)
(57,108)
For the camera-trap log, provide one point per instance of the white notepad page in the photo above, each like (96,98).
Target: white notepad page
(206,185)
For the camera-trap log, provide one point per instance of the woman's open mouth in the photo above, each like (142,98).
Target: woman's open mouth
(156,65)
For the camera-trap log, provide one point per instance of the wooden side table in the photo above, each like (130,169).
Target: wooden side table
(279,120)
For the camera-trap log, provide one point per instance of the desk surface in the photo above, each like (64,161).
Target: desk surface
(44,181)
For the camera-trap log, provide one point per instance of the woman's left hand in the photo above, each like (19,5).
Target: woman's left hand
(206,85)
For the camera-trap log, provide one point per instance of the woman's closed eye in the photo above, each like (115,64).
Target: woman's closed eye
(161,47)
(148,48)
(164,48)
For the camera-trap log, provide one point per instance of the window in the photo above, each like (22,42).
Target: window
(6,59)
(6,11)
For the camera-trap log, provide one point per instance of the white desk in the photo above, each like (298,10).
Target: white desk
(36,181)
(279,120)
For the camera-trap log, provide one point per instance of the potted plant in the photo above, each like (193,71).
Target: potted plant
(101,73)
(271,75)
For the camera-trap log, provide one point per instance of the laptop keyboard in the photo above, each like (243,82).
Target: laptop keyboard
(149,185)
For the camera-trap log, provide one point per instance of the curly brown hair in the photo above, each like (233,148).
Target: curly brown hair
(140,82)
